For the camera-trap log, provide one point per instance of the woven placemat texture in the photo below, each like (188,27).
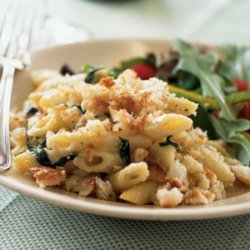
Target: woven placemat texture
(29,224)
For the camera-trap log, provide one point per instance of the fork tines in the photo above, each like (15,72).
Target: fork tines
(16,32)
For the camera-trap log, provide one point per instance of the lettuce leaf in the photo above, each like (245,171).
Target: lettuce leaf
(203,66)
(231,133)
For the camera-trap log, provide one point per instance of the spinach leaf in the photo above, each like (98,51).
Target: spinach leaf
(169,142)
(203,66)
(64,159)
(81,109)
(31,111)
(41,155)
(38,151)
(124,151)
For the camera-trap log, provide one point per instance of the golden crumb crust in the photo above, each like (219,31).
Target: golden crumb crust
(123,139)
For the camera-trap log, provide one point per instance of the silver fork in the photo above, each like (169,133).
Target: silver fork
(15,44)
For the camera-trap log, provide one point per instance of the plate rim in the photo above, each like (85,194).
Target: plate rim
(95,206)
(111,210)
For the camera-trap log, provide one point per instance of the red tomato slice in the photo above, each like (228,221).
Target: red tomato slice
(245,111)
(144,71)
(241,84)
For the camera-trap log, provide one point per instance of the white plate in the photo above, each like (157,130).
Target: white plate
(108,53)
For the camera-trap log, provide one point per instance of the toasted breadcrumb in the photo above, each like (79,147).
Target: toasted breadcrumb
(108,81)
(169,198)
(242,173)
(88,122)
(156,174)
(46,177)
(83,185)
(104,190)
(198,196)
(139,154)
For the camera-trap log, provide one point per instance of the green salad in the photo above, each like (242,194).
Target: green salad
(218,78)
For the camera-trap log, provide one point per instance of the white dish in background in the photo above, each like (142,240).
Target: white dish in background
(109,53)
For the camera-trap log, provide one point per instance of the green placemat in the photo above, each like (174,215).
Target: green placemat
(29,224)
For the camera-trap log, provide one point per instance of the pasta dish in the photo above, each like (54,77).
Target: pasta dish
(120,138)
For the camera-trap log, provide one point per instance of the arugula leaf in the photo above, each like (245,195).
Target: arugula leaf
(243,147)
(213,82)
(226,128)
(203,66)
(124,151)
(231,133)
(236,63)
(169,142)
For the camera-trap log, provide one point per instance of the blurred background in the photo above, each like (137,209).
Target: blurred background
(216,21)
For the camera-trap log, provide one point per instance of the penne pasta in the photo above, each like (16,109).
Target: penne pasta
(123,139)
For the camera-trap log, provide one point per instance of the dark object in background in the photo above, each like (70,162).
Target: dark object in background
(165,70)
(151,59)
(66,69)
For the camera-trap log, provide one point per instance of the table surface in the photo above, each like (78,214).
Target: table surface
(29,224)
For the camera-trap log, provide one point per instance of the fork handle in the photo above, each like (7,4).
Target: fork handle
(5,97)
